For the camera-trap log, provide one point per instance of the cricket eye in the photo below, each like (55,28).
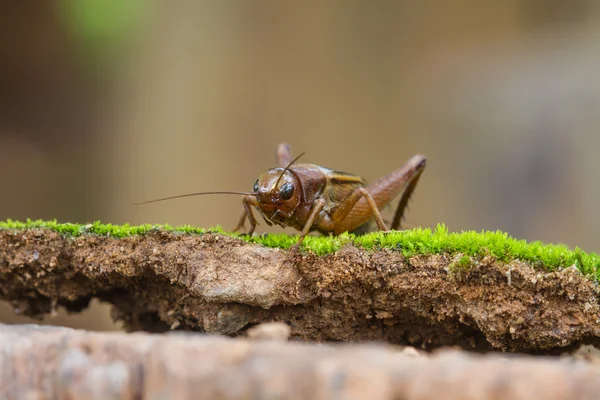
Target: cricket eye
(286,191)
(255,188)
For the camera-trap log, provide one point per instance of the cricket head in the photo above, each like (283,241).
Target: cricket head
(278,195)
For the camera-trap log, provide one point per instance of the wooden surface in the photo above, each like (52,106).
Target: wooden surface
(60,363)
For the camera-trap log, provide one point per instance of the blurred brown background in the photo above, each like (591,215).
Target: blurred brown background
(108,102)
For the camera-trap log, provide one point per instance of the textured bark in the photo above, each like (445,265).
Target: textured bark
(60,363)
(219,284)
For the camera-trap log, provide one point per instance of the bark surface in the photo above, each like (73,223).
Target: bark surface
(52,363)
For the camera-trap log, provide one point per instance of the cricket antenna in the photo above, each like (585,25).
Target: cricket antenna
(287,168)
(188,195)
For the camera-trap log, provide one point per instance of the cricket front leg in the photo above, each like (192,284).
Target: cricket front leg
(248,202)
(314,212)
(242,222)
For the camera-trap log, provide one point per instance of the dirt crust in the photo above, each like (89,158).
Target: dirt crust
(217,284)
(60,363)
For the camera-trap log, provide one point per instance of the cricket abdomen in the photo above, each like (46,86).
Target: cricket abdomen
(383,191)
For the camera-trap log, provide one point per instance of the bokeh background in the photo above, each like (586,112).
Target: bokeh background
(108,102)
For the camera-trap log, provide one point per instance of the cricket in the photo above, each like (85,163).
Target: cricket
(310,197)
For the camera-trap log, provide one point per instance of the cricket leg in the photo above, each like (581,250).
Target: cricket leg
(315,210)
(358,211)
(284,154)
(404,200)
(248,201)
(341,212)
(241,224)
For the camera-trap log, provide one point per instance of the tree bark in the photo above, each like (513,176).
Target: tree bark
(61,363)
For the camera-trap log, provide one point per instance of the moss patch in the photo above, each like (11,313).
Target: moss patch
(98,228)
(461,263)
(410,242)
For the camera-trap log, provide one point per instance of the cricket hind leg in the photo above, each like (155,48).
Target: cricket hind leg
(404,199)
(363,229)
(356,211)
(348,217)
(284,154)
(370,225)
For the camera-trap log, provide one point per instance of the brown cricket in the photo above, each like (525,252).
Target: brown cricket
(310,197)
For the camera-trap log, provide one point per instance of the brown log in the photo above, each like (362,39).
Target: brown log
(60,363)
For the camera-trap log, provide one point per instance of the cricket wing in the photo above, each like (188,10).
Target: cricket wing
(340,186)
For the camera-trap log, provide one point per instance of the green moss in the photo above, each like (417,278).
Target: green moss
(97,228)
(462,264)
(409,242)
